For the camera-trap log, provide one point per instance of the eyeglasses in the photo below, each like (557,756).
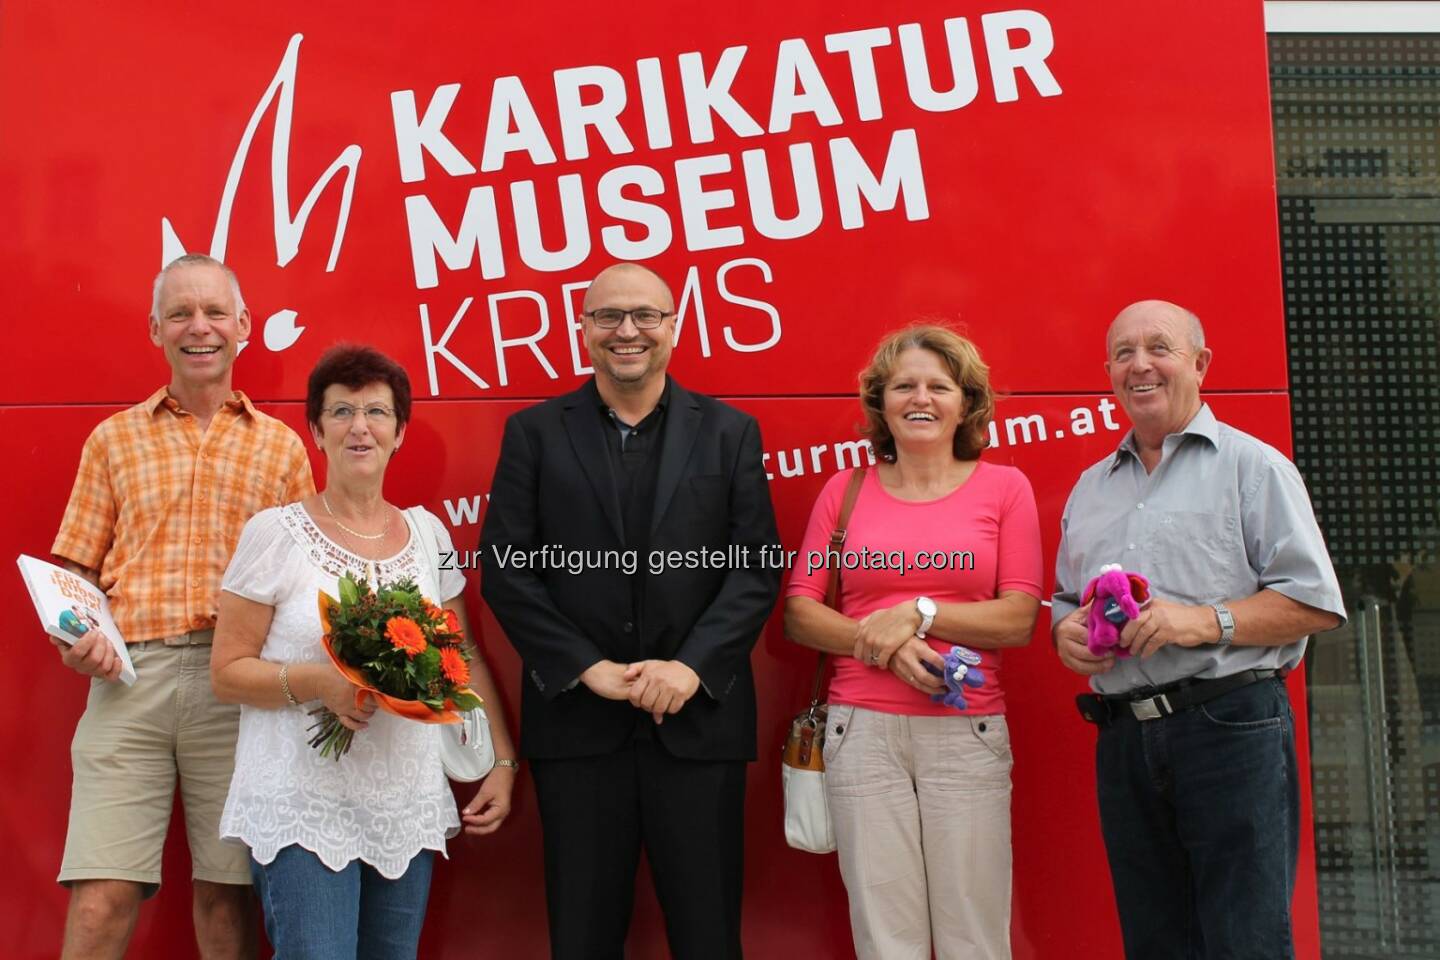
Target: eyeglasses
(372,412)
(644,318)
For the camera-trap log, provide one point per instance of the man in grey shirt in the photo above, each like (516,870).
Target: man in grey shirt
(1199,794)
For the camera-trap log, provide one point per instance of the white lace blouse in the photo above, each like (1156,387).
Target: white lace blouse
(385,800)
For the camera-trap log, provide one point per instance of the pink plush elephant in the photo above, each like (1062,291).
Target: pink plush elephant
(1118,597)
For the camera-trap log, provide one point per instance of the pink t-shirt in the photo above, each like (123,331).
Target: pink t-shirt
(979,539)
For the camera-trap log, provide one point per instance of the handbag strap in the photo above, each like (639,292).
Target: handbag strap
(430,547)
(832,589)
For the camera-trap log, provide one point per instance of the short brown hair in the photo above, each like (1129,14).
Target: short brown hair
(962,361)
(352,365)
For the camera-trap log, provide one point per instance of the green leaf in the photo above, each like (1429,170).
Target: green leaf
(349,593)
(467,701)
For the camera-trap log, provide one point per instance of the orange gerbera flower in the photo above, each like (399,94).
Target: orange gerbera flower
(452,622)
(453,665)
(432,611)
(405,634)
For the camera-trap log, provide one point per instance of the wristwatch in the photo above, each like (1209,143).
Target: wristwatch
(927,610)
(1227,623)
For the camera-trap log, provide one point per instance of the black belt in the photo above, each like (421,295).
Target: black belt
(1152,703)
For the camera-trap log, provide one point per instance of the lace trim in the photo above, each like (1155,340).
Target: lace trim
(335,560)
(338,857)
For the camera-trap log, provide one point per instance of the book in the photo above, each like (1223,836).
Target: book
(71,606)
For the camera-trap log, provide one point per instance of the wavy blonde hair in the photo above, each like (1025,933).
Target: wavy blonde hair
(965,367)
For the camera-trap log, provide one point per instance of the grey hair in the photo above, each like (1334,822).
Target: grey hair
(1197,330)
(194,260)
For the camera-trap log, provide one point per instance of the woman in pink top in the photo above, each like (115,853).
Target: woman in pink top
(942,549)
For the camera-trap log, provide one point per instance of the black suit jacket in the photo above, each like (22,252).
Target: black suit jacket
(553,486)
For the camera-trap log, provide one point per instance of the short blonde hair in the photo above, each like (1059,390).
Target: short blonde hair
(964,365)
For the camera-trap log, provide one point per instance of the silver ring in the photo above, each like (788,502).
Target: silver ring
(874,658)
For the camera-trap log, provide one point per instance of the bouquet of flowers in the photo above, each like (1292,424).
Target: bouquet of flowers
(400,648)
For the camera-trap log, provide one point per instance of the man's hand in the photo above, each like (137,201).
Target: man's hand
(491,805)
(607,679)
(908,663)
(661,686)
(1164,622)
(91,655)
(1071,635)
(883,632)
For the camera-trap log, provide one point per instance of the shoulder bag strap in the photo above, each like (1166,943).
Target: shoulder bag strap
(832,589)
(429,546)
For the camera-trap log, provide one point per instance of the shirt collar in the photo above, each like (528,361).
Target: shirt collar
(238,402)
(604,407)
(1203,424)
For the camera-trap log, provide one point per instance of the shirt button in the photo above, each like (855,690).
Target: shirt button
(1139,506)
(198,539)
(1131,547)
(629,626)
(195,582)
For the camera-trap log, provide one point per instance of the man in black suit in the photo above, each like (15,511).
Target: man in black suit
(621,553)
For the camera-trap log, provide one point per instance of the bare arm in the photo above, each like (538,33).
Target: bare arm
(491,803)
(240,676)
(813,624)
(1006,621)
(1266,618)
(818,626)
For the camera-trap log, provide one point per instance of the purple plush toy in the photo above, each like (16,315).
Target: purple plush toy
(960,672)
(1115,598)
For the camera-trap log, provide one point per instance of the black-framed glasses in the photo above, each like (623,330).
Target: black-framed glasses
(644,318)
(373,412)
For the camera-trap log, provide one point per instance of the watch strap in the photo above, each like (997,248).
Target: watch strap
(1226,619)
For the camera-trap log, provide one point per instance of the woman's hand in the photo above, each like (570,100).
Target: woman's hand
(883,632)
(491,805)
(908,663)
(339,697)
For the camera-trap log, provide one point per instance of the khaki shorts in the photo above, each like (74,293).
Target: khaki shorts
(129,746)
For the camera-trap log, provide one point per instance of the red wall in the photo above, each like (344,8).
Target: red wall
(1143,170)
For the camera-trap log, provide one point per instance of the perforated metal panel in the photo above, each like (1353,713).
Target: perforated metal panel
(1357,137)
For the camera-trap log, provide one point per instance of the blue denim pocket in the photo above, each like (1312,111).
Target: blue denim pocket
(1259,706)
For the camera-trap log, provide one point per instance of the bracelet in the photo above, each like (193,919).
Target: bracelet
(285,685)
(512,764)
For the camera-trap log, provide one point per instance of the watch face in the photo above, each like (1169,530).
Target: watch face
(926,606)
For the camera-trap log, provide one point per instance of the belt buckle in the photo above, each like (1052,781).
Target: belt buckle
(1149,709)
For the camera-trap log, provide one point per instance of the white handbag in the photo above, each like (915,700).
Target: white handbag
(466,750)
(808,825)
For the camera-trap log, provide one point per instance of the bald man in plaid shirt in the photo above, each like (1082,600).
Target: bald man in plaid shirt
(161,495)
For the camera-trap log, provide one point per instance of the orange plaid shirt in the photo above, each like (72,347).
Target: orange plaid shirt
(157,507)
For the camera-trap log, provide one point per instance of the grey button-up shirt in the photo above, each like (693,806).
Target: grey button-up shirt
(1223,516)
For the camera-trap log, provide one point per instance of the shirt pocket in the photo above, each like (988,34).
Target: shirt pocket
(1196,556)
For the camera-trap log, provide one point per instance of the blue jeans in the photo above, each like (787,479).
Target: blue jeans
(1201,817)
(315,913)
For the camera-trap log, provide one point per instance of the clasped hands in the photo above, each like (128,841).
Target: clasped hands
(886,639)
(1160,623)
(658,687)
